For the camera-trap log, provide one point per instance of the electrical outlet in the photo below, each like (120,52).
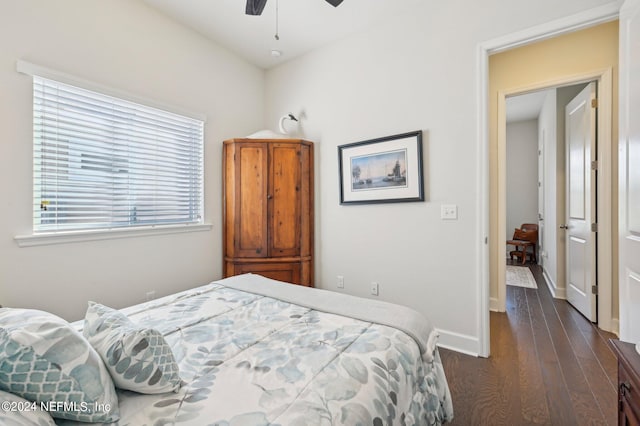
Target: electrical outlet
(449,212)
(151,295)
(340,281)
(374,288)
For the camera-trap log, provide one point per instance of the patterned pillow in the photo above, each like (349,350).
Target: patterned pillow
(17,411)
(43,359)
(138,358)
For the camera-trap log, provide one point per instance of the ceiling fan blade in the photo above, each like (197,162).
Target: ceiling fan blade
(255,7)
(334,3)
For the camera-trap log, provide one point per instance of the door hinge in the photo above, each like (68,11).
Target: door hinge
(594,289)
(594,227)
(594,103)
(594,165)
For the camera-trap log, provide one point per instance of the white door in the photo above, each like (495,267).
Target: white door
(629,168)
(580,142)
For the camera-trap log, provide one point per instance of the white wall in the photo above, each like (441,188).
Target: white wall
(128,46)
(522,174)
(414,72)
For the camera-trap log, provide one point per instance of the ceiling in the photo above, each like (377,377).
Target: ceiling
(304,25)
(525,107)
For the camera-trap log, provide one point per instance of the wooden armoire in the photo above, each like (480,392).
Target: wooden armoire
(268,208)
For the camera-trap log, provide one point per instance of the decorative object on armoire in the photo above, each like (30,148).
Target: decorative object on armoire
(283,119)
(268,208)
(286,131)
(383,170)
(267,134)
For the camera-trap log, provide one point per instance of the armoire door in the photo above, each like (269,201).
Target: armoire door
(284,200)
(251,180)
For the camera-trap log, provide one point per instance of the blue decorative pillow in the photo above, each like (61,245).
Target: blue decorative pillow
(18,411)
(139,359)
(43,359)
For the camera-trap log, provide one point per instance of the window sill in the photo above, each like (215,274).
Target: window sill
(106,234)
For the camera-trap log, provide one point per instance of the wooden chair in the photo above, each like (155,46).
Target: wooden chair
(524,237)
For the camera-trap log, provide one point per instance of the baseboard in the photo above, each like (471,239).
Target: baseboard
(462,343)
(615,326)
(493,304)
(557,293)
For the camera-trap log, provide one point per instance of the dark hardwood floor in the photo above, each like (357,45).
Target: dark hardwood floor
(548,365)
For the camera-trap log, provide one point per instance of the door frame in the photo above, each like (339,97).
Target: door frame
(604,78)
(591,17)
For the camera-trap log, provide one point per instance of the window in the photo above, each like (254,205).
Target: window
(101,162)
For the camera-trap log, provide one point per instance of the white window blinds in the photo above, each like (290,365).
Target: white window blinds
(102,162)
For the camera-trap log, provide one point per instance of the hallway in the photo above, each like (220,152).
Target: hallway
(548,365)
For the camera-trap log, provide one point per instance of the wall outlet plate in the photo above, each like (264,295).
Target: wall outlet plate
(449,212)
(374,288)
(340,281)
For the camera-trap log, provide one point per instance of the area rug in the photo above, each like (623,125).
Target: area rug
(520,276)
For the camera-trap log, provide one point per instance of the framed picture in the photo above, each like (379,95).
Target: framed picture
(383,170)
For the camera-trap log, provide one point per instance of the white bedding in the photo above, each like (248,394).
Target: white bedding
(379,312)
(254,351)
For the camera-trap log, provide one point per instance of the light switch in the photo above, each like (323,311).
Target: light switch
(449,212)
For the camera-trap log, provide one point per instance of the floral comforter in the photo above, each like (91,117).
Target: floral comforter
(247,359)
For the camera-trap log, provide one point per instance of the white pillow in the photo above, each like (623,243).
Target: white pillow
(139,359)
(43,359)
(18,411)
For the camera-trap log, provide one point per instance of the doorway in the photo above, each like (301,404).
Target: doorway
(525,169)
(553,66)
(546,176)
(557,284)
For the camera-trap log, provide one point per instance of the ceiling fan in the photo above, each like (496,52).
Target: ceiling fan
(255,7)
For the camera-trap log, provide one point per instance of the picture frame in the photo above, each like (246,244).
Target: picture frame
(382,170)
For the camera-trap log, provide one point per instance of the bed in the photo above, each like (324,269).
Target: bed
(255,351)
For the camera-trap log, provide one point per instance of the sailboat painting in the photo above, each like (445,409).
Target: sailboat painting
(382,170)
